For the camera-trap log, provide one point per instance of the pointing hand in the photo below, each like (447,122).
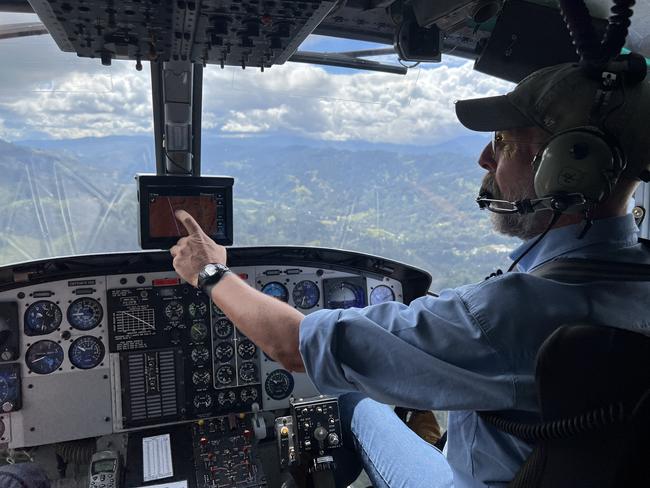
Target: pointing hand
(193,252)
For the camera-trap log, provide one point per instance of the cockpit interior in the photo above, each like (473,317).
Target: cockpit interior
(115,372)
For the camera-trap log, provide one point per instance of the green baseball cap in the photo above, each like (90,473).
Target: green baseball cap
(561,97)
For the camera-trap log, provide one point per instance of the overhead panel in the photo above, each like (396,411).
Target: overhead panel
(224,32)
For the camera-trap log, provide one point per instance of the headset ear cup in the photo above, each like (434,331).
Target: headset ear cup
(581,160)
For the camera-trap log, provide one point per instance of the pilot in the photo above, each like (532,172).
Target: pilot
(472,348)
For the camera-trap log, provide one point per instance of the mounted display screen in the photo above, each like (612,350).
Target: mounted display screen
(208,199)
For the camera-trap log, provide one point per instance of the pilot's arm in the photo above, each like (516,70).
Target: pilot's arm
(270,323)
(433,353)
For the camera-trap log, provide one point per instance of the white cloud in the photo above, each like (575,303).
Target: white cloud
(46,93)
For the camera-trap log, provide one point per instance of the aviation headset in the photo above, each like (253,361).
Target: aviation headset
(587,160)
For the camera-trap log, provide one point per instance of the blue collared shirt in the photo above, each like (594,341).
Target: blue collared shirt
(474,347)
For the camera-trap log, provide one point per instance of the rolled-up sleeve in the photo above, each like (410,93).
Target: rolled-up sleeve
(429,354)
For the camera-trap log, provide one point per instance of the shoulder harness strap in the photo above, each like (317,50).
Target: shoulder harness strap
(574,270)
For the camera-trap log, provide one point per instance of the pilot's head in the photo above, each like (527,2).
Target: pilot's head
(563,131)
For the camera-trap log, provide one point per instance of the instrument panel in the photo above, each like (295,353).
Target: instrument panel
(116,351)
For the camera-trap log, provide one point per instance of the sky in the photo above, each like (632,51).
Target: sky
(48,94)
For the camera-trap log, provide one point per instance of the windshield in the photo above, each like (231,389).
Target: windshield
(364,161)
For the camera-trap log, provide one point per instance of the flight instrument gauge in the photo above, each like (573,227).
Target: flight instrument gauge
(276,290)
(85,313)
(279,384)
(381,294)
(248,372)
(226,398)
(343,294)
(202,401)
(42,317)
(86,352)
(44,357)
(201,377)
(246,349)
(174,311)
(223,328)
(224,351)
(248,394)
(225,374)
(200,355)
(198,332)
(305,294)
(197,309)
(4,390)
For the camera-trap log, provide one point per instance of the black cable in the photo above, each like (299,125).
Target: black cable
(168,157)
(617,28)
(556,216)
(577,19)
(595,53)
(593,420)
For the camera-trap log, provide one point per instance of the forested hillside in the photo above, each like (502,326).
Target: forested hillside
(413,204)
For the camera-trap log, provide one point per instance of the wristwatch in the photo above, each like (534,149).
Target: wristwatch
(210,276)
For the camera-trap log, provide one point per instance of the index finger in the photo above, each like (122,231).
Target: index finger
(188,222)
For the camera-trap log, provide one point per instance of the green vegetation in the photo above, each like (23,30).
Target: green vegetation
(77,197)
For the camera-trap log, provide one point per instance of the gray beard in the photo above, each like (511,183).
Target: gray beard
(523,226)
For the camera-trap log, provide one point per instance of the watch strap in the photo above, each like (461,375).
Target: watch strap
(210,275)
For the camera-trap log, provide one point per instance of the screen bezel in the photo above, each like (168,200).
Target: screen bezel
(185,186)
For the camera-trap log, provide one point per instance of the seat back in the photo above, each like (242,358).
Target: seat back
(586,375)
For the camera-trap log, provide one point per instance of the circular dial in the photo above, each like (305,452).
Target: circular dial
(201,377)
(225,374)
(226,398)
(246,349)
(305,294)
(248,372)
(198,332)
(85,313)
(42,317)
(86,352)
(345,295)
(279,384)
(223,328)
(276,290)
(202,401)
(4,390)
(44,357)
(200,355)
(217,312)
(248,394)
(381,294)
(174,311)
(224,352)
(197,309)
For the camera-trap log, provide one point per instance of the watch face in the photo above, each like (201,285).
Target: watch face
(210,269)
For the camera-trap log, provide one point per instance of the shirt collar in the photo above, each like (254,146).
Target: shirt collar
(614,231)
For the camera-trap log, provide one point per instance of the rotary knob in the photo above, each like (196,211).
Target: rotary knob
(320,434)
(333,439)
(7,407)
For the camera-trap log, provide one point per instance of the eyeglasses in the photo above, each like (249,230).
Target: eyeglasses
(498,141)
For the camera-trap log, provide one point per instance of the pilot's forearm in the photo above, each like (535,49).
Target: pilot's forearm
(271,324)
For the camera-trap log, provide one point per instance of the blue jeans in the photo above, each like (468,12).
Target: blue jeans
(392,454)
(23,475)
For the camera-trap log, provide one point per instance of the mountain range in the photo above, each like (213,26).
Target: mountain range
(410,203)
